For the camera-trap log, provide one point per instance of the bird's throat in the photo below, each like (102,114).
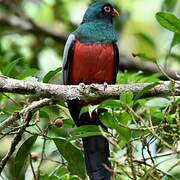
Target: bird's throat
(96,32)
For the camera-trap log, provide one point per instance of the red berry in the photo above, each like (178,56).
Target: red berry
(58,122)
(34,156)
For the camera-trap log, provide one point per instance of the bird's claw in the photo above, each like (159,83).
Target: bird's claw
(82,85)
(105,85)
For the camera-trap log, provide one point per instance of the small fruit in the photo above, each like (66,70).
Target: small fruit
(58,122)
(34,156)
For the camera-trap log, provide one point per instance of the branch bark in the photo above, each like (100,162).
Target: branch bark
(83,92)
(126,62)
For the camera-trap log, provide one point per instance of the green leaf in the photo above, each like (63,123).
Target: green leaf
(138,134)
(125,118)
(158,102)
(51,74)
(176,40)
(124,133)
(150,79)
(64,111)
(69,133)
(46,177)
(55,132)
(168,21)
(26,73)
(136,77)
(84,131)
(122,78)
(145,90)
(73,156)
(126,97)
(110,103)
(89,109)
(61,171)
(144,56)
(108,120)
(8,68)
(84,109)
(22,155)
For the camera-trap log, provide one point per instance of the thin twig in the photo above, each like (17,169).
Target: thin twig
(15,141)
(14,101)
(32,168)
(130,160)
(42,152)
(150,129)
(145,163)
(162,155)
(166,75)
(30,108)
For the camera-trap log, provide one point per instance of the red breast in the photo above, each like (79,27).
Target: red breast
(92,63)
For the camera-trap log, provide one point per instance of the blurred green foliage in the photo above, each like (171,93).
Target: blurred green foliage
(139,128)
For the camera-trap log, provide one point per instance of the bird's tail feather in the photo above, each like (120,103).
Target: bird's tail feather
(96,151)
(96,148)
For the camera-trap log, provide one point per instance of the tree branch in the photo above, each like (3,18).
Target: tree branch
(126,62)
(28,26)
(30,108)
(83,92)
(129,63)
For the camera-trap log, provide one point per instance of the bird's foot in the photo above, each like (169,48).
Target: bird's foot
(82,88)
(82,85)
(105,84)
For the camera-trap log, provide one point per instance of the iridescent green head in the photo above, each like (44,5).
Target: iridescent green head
(100,11)
(97,24)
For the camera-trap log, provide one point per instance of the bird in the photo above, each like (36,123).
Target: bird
(91,55)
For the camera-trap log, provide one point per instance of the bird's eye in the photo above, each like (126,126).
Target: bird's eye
(107,9)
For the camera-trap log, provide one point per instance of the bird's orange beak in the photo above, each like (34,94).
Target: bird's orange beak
(114,13)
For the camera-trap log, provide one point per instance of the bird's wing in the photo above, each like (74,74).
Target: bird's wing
(67,57)
(116,61)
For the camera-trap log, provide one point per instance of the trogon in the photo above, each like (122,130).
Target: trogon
(91,56)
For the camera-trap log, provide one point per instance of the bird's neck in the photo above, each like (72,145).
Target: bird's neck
(96,32)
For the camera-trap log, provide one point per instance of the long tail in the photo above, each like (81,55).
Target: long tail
(96,151)
(96,148)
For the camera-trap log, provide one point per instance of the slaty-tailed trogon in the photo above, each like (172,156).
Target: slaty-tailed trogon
(91,56)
